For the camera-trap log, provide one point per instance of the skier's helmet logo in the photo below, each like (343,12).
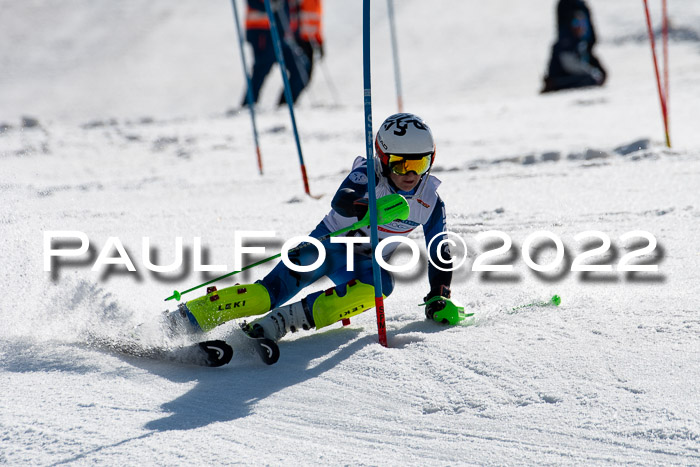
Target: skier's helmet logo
(400,122)
(404,135)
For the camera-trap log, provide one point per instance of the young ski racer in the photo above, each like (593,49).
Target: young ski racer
(406,152)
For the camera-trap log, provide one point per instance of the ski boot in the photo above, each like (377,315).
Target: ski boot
(317,310)
(280,321)
(180,321)
(217,307)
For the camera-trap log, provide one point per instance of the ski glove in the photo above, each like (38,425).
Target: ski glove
(360,208)
(389,208)
(439,307)
(435,300)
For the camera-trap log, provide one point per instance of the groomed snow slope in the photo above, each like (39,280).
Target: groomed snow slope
(133,142)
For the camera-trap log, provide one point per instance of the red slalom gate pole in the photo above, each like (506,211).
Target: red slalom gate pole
(667,95)
(662,98)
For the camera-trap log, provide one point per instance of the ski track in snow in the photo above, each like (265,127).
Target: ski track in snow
(610,377)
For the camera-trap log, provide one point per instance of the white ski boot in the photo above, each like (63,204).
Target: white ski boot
(178,322)
(280,321)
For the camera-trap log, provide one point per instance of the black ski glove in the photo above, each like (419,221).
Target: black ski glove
(360,208)
(433,307)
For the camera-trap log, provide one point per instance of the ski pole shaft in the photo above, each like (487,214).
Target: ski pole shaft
(390,208)
(176,295)
(279,54)
(329,82)
(555,300)
(249,91)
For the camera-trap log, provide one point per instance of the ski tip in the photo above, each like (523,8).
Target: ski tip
(218,352)
(268,350)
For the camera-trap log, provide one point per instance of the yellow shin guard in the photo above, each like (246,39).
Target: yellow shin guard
(220,306)
(329,308)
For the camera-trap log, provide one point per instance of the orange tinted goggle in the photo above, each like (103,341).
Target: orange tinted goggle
(401,165)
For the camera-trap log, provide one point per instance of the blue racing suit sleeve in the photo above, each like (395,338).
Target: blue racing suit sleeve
(353,188)
(434,227)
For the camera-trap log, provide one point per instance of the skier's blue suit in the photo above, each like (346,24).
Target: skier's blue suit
(283,283)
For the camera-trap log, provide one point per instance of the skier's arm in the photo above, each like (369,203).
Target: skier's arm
(439,296)
(573,64)
(348,200)
(435,227)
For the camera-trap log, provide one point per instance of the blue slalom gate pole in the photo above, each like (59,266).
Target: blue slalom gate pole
(395,53)
(277,45)
(249,93)
(371,176)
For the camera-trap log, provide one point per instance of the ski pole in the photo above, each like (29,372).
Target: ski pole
(277,46)
(390,208)
(326,75)
(249,92)
(555,300)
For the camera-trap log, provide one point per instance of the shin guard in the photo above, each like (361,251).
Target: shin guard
(329,307)
(220,306)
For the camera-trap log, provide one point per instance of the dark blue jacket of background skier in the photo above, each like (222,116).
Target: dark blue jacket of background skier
(572,63)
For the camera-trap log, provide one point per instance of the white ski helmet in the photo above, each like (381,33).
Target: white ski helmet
(407,137)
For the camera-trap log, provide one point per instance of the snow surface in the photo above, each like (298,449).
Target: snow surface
(133,141)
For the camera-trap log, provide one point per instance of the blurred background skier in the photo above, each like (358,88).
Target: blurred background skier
(572,63)
(258,34)
(307,24)
(405,150)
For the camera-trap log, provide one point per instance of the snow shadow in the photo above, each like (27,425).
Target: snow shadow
(675,34)
(232,392)
(634,151)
